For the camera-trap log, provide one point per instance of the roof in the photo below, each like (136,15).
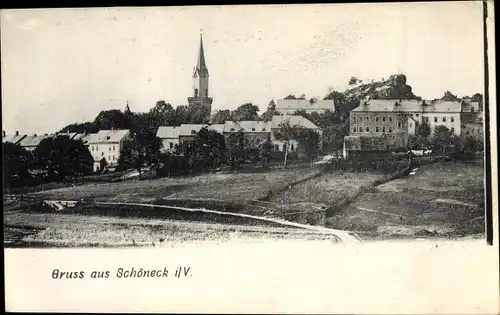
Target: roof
(89,138)
(71,135)
(79,136)
(467,106)
(34,140)
(188,129)
(304,104)
(168,132)
(295,120)
(13,138)
(443,107)
(255,126)
(408,106)
(109,136)
(217,127)
(232,126)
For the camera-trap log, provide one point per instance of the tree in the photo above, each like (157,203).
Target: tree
(16,164)
(265,151)
(308,143)
(442,139)
(221,116)
(197,114)
(63,157)
(271,111)
(286,133)
(353,80)
(111,119)
(236,149)
(206,151)
(246,111)
(163,114)
(423,129)
(450,97)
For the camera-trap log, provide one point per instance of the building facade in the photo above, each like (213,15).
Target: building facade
(375,117)
(105,146)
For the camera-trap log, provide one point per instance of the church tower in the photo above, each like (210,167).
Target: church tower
(200,84)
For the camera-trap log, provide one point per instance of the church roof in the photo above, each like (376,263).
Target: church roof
(201,66)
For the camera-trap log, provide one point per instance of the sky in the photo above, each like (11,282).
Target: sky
(61,66)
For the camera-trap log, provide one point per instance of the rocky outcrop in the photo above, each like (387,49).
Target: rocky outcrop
(394,87)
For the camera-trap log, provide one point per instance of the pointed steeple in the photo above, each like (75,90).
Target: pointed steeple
(201,66)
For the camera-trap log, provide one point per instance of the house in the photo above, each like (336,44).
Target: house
(105,146)
(169,136)
(15,138)
(290,106)
(30,143)
(294,121)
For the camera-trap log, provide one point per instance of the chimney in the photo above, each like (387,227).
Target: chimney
(17,133)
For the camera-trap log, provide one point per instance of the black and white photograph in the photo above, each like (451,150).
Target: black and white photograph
(158,127)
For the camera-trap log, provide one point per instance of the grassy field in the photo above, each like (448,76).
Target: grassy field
(70,230)
(444,199)
(228,187)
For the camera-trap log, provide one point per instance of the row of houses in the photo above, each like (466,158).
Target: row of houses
(106,145)
(255,132)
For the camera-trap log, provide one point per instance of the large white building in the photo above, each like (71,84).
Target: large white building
(105,146)
(389,116)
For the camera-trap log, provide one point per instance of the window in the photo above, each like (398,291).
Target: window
(276,147)
(102,153)
(92,148)
(452,129)
(263,129)
(383,118)
(171,145)
(367,129)
(399,124)
(354,129)
(467,133)
(284,147)
(427,119)
(452,119)
(416,115)
(435,119)
(472,109)
(390,130)
(253,129)
(411,115)
(232,129)
(393,137)
(444,119)
(376,118)
(109,157)
(410,125)
(293,148)
(376,129)
(114,159)
(383,129)
(367,118)
(109,148)
(390,118)
(113,148)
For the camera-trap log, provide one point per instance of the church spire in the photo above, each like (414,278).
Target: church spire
(201,66)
